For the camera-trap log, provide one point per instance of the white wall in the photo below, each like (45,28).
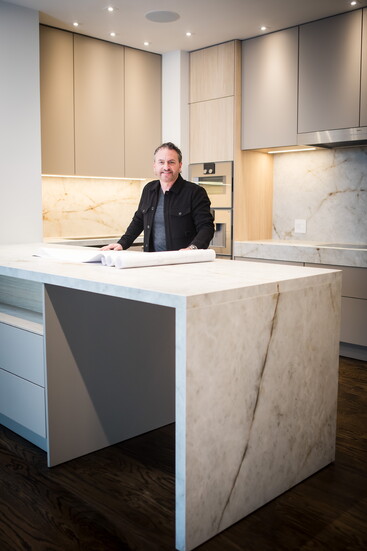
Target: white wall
(175,102)
(20,141)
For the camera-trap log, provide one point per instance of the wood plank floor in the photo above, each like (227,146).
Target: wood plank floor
(122,498)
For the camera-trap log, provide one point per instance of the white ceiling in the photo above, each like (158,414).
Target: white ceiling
(209,21)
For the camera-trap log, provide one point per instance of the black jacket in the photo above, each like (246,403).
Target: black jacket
(187,215)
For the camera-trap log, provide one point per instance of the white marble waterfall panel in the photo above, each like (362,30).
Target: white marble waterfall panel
(261,394)
(88,207)
(328,189)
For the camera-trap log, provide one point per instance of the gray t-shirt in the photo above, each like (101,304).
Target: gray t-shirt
(159,230)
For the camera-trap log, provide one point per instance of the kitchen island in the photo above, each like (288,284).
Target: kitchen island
(243,356)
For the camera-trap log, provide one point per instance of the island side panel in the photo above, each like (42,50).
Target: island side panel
(110,370)
(261,396)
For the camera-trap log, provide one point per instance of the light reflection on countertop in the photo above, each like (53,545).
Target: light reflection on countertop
(313,252)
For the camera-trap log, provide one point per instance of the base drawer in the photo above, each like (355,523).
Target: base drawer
(23,402)
(22,353)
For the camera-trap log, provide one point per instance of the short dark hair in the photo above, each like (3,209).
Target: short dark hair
(170,145)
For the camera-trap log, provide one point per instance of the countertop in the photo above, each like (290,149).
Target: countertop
(170,285)
(90,241)
(336,254)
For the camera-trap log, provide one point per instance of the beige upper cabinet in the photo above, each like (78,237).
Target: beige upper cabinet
(212,72)
(143,111)
(57,101)
(212,103)
(269,90)
(99,107)
(363,121)
(330,73)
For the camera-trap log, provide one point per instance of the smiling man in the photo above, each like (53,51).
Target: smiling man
(173,213)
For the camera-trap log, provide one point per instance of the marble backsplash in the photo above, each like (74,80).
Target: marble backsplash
(88,207)
(327,189)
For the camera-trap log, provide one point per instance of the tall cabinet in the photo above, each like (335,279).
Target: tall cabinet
(330,73)
(100,106)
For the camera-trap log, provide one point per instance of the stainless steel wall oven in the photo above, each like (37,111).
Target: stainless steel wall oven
(217,179)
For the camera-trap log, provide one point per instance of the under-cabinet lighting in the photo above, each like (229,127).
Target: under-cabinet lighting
(292,150)
(91,177)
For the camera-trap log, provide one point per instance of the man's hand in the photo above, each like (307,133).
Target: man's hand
(112,247)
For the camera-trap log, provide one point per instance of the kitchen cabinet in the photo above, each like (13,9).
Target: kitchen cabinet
(211,130)
(57,101)
(269,90)
(214,87)
(99,107)
(363,121)
(330,73)
(22,368)
(143,111)
(212,72)
(354,304)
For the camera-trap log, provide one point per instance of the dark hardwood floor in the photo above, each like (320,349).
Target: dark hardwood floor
(122,498)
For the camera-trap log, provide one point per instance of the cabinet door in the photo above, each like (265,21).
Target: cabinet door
(143,111)
(99,102)
(211,130)
(212,72)
(363,121)
(269,90)
(57,101)
(329,73)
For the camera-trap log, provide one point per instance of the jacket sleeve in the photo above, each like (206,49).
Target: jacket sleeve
(203,218)
(134,229)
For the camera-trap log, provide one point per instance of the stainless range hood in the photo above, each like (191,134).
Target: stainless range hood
(343,137)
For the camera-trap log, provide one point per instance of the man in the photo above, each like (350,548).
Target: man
(173,213)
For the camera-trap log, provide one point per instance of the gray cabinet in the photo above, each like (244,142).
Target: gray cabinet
(330,73)
(269,90)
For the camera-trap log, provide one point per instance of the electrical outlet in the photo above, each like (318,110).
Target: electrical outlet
(299,225)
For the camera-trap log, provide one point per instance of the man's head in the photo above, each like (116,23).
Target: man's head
(167,164)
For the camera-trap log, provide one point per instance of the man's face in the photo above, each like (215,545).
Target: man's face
(166,165)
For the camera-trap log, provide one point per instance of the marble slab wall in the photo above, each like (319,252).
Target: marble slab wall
(88,207)
(328,189)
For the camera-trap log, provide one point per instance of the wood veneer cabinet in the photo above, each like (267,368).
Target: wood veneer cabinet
(330,73)
(212,103)
(99,107)
(363,113)
(143,111)
(57,101)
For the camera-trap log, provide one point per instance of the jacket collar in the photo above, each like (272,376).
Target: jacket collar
(176,188)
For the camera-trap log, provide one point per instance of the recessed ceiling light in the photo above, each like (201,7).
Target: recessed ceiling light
(162,16)
(110,8)
(188,34)
(354,3)
(146,43)
(113,34)
(76,24)
(263,28)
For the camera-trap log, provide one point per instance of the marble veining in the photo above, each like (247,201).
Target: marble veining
(328,189)
(257,397)
(88,207)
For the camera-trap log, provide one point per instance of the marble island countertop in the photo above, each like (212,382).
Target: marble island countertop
(337,254)
(167,285)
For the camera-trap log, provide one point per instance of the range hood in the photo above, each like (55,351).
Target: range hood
(343,137)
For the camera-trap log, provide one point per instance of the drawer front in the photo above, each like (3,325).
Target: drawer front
(23,402)
(354,321)
(21,353)
(354,280)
